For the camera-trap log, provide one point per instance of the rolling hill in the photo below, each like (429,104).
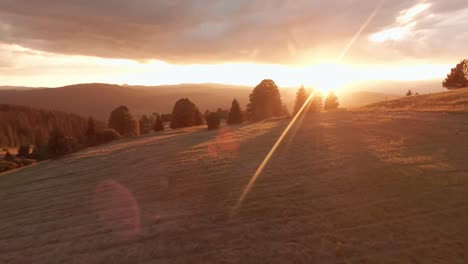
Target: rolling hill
(98,100)
(345,187)
(451,101)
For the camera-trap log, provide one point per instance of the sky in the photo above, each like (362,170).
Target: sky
(51,43)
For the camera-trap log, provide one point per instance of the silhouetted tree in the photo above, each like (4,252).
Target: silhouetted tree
(235,115)
(331,102)
(24,151)
(213,121)
(185,114)
(106,135)
(265,101)
(91,132)
(409,93)
(60,144)
(301,97)
(145,125)
(123,122)
(198,118)
(316,103)
(223,114)
(458,77)
(166,118)
(8,156)
(158,124)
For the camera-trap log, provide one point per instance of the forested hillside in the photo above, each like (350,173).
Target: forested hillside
(23,125)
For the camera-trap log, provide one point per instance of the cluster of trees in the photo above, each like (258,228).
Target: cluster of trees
(316,102)
(22,125)
(55,133)
(458,76)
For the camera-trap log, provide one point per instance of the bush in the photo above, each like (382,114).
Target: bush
(24,151)
(213,121)
(8,156)
(7,165)
(107,135)
(40,153)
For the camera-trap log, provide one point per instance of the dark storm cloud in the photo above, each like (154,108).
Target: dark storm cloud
(203,30)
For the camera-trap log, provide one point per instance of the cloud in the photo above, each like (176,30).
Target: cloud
(211,31)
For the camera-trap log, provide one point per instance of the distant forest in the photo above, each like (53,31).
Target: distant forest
(22,125)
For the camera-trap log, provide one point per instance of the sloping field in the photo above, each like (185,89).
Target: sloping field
(451,101)
(360,187)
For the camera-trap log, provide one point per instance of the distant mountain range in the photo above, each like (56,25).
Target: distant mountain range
(98,99)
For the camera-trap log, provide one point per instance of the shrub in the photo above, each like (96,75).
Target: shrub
(8,156)
(213,121)
(7,165)
(265,101)
(24,151)
(40,153)
(107,135)
(123,122)
(235,115)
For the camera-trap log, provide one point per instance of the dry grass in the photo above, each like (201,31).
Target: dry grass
(451,101)
(349,187)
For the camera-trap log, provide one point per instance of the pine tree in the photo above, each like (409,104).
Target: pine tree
(91,132)
(331,102)
(235,114)
(301,97)
(123,122)
(265,101)
(213,121)
(316,104)
(458,77)
(158,124)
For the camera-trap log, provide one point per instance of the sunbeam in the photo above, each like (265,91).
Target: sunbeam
(265,161)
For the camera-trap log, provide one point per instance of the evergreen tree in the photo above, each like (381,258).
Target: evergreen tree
(185,114)
(8,156)
(316,104)
(213,121)
(331,102)
(409,93)
(123,122)
(265,101)
(235,114)
(198,118)
(158,124)
(458,77)
(145,125)
(61,144)
(91,132)
(24,151)
(301,97)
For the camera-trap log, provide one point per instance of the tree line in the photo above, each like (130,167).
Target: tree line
(49,134)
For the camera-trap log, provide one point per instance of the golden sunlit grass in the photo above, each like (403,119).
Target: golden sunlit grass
(451,101)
